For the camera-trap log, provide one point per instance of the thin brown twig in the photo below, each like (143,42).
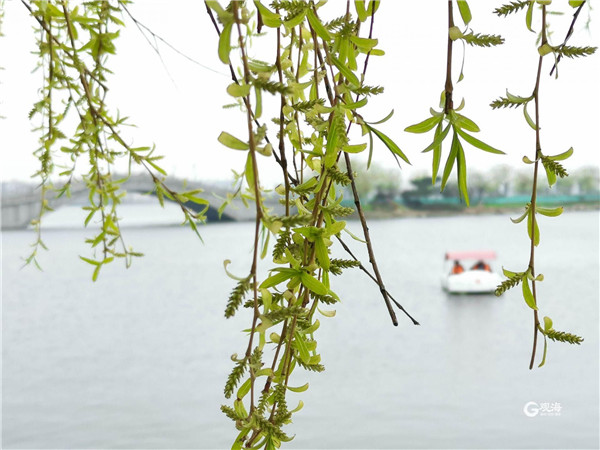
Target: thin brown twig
(568,36)
(366,271)
(448,89)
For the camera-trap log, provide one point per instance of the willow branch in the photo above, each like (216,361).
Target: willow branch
(538,150)
(568,36)
(245,99)
(366,271)
(448,106)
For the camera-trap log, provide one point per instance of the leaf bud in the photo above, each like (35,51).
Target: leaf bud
(455,33)
(545,49)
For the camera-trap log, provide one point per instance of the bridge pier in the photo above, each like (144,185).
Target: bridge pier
(17,215)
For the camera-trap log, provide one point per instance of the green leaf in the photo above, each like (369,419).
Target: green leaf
(365,45)
(327,313)
(522,217)
(462,173)
(361,10)
(547,323)
(314,327)
(322,253)
(316,25)
(479,144)
(298,408)
(266,299)
(269,18)
(344,70)
(295,21)
(551,176)
(385,119)
(244,389)
(332,142)
(529,16)
(545,352)
(391,145)
(238,90)
(437,152)
(276,279)
(335,228)
(438,139)
(528,117)
(527,295)
(299,388)
(302,349)
(355,105)
(225,43)
(562,156)
(354,148)
(91,261)
(232,142)
(312,284)
(465,12)
(249,172)
(549,212)
(465,123)
(450,161)
(424,126)
(532,228)
(96,272)
(507,273)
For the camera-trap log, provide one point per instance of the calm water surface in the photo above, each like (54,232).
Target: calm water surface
(139,359)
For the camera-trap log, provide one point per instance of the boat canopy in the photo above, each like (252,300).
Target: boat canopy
(475,254)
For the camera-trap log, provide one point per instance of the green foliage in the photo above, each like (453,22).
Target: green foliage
(449,118)
(554,167)
(237,296)
(510,101)
(290,312)
(317,77)
(512,7)
(74,46)
(509,284)
(483,40)
(553,170)
(318,105)
(235,376)
(338,176)
(338,265)
(562,336)
(574,52)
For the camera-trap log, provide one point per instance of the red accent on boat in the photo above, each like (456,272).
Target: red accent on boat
(475,254)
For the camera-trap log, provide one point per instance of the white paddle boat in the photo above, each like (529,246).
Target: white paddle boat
(470,272)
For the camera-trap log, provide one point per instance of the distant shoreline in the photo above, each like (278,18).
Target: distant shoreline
(403,212)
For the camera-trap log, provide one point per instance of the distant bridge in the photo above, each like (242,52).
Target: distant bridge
(18,210)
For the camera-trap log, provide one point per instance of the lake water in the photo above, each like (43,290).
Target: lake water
(139,358)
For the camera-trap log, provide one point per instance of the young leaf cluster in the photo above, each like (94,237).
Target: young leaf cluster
(74,44)
(553,169)
(319,88)
(449,123)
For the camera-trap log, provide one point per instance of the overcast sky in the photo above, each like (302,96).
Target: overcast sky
(180,110)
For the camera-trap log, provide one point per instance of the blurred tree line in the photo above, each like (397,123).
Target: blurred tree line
(381,184)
